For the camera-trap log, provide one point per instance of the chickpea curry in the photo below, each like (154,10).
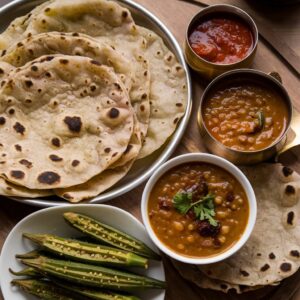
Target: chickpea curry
(198,209)
(245,117)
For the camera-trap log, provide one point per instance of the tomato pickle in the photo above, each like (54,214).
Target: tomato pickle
(198,209)
(245,117)
(222,40)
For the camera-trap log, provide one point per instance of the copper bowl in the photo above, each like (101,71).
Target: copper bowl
(208,69)
(242,76)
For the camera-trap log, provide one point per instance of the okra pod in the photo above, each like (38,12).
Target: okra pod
(31,272)
(44,289)
(31,254)
(87,252)
(91,275)
(109,235)
(96,293)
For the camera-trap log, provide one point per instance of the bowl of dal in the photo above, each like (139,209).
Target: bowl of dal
(244,116)
(198,208)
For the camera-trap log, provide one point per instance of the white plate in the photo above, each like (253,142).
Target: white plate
(50,220)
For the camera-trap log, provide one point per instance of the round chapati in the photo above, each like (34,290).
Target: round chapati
(69,44)
(194,275)
(15,31)
(12,190)
(64,119)
(131,71)
(272,252)
(109,177)
(105,32)
(94,186)
(106,20)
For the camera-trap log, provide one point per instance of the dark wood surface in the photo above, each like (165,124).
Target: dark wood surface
(176,15)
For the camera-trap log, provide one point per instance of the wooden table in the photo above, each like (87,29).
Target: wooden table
(176,15)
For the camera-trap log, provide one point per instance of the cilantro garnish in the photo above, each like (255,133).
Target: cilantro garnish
(204,208)
(182,202)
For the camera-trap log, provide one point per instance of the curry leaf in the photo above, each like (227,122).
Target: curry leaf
(261,120)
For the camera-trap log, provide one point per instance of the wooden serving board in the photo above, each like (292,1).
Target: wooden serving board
(176,15)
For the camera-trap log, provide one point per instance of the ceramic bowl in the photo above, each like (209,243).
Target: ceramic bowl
(211,159)
(50,220)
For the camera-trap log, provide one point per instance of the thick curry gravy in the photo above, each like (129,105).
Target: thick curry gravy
(185,233)
(246,116)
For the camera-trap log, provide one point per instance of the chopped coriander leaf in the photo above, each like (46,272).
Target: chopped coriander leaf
(203,212)
(204,208)
(182,202)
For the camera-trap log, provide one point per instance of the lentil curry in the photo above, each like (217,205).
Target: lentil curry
(198,209)
(245,117)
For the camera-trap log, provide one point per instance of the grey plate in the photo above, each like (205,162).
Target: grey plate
(142,169)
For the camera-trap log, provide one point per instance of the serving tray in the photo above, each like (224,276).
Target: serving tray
(143,168)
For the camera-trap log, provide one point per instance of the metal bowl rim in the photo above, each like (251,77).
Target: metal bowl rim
(245,71)
(249,22)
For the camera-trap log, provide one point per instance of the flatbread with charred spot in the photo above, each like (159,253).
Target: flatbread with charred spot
(108,21)
(193,274)
(63,123)
(131,71)
(108,178)
(105,32)
(15,31)
(272,252)
(12,190)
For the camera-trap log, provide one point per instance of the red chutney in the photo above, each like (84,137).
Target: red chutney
(221,40)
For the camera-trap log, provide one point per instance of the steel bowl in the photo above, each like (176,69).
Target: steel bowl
(242,76)
(208,69)
(143,168)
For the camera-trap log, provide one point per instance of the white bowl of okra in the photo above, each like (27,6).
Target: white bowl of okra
(79,252)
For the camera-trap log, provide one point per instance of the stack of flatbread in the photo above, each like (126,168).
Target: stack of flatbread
(272,252)
(84,93)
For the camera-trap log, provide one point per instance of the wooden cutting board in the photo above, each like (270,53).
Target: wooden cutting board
(176,15)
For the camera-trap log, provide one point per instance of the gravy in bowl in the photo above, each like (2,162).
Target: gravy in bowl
(198,209)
